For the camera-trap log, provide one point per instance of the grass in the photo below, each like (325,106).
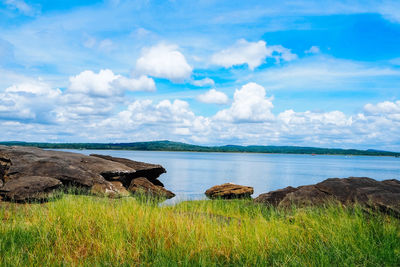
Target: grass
(93,231)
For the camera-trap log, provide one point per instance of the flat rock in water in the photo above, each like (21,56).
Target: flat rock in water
(384,195)
(98,174)
(229,191)
(142,185)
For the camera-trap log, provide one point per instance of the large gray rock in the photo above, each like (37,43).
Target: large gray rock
(384,195)
(97,173)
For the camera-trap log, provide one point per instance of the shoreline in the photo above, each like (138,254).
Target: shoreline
(169,146)
(221,152)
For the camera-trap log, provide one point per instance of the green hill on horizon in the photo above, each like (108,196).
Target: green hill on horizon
(178,146)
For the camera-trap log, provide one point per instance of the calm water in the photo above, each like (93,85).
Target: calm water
(189,174)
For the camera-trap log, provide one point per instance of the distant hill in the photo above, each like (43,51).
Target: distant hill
(177,146)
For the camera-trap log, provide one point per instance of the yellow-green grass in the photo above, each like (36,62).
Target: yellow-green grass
(94,231)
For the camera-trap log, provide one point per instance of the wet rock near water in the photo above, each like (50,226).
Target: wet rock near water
(28,173)
(382,195)
(229,191)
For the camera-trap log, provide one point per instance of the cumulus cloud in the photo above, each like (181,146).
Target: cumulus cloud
(251,53)
(36,109)
(249,105)
(106,83)
(34,102)
(213,97)
(162,120)
(203,82)
(164,61)
(385,107)
(142,83)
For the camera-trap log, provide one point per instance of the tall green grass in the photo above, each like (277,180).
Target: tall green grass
(90,231)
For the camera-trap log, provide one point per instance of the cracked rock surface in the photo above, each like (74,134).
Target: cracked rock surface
(229,191)
(383,195)
(28,173)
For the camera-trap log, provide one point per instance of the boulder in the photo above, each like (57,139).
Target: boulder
(383,195)
(119,187)
(229,191)
(29,188)
(142,169)
(142,185)
(70,168)
(97,174)
(113,189)
(274,197)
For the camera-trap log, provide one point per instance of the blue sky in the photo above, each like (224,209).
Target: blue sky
(315,73)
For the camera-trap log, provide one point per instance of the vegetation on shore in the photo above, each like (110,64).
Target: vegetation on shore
(88,231)
(177,146)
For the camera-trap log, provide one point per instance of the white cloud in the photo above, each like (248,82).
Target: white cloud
(213,97)
(390,10)
(88,82)
(203,82)
(249,105)
(106,83)
(242,52)
(386,107)
(142,83)
(146,120)
(321,72)
(34,101)
(281,53)
(251,53)
(21,6)
(38,88)
(313,50)
(41,112)
(106,45)
(164,61)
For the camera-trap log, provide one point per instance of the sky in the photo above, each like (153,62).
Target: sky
(303,73)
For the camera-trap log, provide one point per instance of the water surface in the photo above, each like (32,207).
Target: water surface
(189,174)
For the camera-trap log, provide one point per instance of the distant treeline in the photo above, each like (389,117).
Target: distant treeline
(176,146)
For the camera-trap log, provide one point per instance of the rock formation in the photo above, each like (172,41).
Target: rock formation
(229,191)
(28,173)
(142,185)
(384,195)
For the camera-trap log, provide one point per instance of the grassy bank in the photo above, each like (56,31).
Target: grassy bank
(83,230)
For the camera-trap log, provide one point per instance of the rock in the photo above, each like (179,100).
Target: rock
(96,174)
(142,185)
(120,189)
(112,189)
(29,188)
(150,171)
(305,195)
(69,168)
(229,191)
(274,197)
(383,195)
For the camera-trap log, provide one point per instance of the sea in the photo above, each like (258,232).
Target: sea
(190,174)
